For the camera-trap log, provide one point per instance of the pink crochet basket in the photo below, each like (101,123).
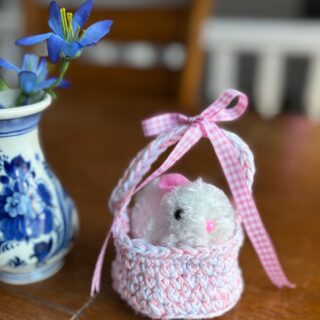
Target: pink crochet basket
(190,283)
(170,283)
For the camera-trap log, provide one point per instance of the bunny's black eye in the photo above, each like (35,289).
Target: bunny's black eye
(178,214)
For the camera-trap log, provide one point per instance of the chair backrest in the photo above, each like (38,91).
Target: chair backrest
(152,48)
(272,43)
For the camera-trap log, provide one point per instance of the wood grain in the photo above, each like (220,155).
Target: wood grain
(89,139)
(14,306)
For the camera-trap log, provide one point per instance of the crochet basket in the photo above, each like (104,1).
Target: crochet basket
(168,283)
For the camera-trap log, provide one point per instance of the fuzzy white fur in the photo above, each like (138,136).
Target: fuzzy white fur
(201,202)
(153,215)
(147,215)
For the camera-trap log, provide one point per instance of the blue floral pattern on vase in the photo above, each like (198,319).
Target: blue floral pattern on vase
(38,219)
(25,203)
(16,262)
(42,250)
(34,210)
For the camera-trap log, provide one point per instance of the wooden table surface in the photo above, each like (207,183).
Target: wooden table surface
(89,141)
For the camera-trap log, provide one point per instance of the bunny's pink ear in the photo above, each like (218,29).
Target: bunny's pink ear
(170,181)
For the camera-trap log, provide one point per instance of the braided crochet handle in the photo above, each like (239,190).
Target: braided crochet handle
(139,166)
(245,156)
(142,163)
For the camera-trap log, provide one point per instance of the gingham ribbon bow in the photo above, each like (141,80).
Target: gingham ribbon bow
(205,125)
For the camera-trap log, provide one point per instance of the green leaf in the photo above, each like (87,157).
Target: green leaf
(3,84)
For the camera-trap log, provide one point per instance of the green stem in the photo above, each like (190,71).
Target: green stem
(63,69)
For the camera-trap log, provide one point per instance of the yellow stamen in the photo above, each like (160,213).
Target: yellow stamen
(70,28)
(64,21)
(76,34)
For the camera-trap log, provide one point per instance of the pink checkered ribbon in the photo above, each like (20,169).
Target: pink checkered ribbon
(205,125)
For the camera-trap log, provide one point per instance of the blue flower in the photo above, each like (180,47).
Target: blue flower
(17,168)
(25,204)
(68,38)
(17,204)
(32,74)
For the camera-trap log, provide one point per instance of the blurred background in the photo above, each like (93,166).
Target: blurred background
(191,51)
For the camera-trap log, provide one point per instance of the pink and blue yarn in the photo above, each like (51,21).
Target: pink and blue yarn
(190,283)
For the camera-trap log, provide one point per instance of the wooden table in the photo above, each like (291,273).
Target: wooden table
(89,141)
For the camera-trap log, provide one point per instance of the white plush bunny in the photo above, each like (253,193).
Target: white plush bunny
(173,211)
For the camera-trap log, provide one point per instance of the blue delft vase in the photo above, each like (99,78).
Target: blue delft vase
(38,219)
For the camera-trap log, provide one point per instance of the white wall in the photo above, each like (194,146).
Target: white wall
(296,68)
(259,8)
(11,24)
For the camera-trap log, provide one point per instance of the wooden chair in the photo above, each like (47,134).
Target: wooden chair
(179,22)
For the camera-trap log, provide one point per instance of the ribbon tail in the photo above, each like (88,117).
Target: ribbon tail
(96,279)
(246,205)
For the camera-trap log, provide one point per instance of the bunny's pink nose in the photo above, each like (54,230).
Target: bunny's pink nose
(211,225)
